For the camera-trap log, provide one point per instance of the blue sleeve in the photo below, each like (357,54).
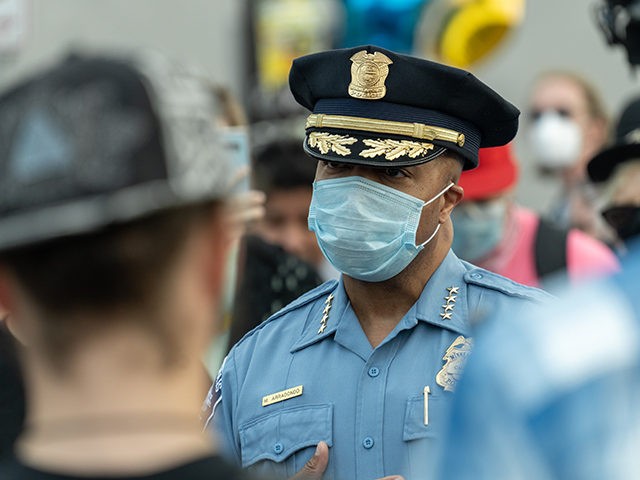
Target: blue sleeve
(224,411)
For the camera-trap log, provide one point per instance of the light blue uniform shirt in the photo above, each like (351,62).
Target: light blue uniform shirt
(367,404)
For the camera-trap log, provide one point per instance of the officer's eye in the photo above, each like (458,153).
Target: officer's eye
(335,165)
(394,172)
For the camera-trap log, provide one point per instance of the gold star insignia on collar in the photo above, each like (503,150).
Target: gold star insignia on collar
(325,314)
(451,303)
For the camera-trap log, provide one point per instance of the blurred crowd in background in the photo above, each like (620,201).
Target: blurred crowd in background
(576,226)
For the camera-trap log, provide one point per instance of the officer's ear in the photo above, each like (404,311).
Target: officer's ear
(452,197)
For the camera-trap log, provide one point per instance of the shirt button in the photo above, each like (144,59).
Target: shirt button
(278,448)
(367,443)
(476,275)
(374,371)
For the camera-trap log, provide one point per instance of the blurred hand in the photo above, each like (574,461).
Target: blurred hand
(244,209)
(315,467)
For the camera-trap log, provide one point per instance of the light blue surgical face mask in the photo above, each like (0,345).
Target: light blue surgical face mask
(365,229)
(478,228)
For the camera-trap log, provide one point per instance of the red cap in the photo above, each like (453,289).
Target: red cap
(497,172)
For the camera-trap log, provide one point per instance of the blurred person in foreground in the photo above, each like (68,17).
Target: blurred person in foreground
(494,232)
(367,364)
(567,125)
(261,277)
(270,268)
(553,392)
(113,239)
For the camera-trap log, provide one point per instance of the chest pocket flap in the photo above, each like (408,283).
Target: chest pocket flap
(275,436)
(414,427)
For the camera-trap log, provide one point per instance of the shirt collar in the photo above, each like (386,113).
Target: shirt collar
(445,293)
(445,287)
(338,302)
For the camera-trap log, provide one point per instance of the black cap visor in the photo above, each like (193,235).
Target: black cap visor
(603,164)
(374,150)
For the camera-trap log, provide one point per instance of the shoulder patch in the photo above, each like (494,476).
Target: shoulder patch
(218,383)
(486,279)
(214,395)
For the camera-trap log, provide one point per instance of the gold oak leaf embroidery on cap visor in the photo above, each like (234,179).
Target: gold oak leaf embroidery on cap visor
(326,142)
(392,149)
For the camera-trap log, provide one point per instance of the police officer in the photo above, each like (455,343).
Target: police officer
(368,364)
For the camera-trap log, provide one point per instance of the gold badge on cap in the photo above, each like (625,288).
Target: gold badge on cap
(368,74)
(455,357)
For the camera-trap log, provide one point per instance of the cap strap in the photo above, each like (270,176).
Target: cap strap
(415,130)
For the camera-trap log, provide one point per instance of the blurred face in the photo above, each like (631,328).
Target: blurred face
(628,190)
(479,227)
(285,223)
(561,95)
(623,210)
(564,100)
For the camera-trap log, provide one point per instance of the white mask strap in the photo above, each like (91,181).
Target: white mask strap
(431,237)
(442,192)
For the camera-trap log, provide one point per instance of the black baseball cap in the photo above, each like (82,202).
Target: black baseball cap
(97,140)
(625,147)
(375,107)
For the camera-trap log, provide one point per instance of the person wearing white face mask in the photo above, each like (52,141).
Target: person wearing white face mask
(368,364)
(494,232)
(568,124)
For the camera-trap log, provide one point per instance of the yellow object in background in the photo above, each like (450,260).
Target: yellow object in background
(463,32)
(287,29)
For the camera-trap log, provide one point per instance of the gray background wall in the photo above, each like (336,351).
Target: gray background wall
(556,33)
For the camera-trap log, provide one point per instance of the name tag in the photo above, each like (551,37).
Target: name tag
(281,396)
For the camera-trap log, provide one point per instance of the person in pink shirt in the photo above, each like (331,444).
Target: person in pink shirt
(492,231)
